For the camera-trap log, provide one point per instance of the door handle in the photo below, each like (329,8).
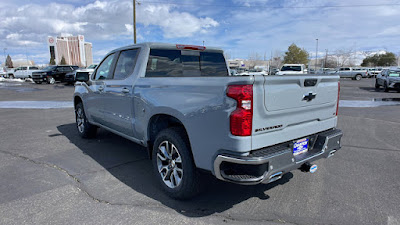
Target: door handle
(101,88)
(125,90)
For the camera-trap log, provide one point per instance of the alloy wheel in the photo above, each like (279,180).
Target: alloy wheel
(80,120)
(169,164)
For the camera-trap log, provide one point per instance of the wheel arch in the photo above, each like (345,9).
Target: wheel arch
(159,122)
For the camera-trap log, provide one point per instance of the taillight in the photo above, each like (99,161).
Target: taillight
(241,120)
(338,94)
(191,47)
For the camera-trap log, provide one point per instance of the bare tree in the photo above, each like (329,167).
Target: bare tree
(276,60)
(343,57)
(254,59)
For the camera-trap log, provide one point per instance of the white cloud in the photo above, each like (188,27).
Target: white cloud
(98,20)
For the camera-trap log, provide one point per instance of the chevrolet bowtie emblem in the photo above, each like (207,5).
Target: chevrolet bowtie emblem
(310,96)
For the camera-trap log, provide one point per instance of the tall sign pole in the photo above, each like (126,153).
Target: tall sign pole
(134,21)
(316,56)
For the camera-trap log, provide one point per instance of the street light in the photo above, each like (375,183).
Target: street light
(316,57)
(134,20)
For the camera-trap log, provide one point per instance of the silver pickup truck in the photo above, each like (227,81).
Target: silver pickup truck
(181,102)
(353,73)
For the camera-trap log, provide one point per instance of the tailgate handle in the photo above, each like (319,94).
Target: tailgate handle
(310,82)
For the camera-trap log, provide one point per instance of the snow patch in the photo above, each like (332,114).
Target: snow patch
(35,104)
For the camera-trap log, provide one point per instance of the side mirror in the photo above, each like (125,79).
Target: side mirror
(82,77)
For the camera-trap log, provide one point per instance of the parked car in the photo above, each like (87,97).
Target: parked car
(292,69)
(10,73)
(51,74)
(70,77)
(325,71)
(24,72)
(388,79)
(243,129)
(373,72)
(353,73)
(3,72)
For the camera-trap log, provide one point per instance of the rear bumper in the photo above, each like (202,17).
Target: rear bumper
(269,164)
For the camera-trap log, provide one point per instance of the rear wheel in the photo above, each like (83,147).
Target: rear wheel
(173,164)
(11,76)
(38,82)
(85,129)
(358,77)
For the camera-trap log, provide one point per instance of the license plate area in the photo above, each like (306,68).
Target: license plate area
(300,146)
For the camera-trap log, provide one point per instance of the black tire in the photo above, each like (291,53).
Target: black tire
(377,86)
(38,82)
(51,80)
(188,183)
(358,77)
(85,129)
(11,76)
(385,87)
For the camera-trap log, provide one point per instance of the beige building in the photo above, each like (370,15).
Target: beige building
(73,48)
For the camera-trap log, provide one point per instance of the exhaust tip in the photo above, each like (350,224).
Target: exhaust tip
(313,168)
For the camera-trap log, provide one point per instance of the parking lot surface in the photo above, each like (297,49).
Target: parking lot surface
(49,175)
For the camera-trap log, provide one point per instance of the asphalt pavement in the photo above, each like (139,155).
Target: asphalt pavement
(49,175)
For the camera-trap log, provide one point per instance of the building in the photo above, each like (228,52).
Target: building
(73,48)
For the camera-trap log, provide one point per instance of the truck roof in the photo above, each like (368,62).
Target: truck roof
(165,46)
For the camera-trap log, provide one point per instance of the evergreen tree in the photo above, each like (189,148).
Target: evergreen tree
(52,61)
(9,63)
(63,62)
(387,59)
(295,55)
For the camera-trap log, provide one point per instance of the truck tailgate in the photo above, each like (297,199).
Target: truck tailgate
(292,106)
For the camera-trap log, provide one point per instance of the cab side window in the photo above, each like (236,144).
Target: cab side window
(125,64)
(104,69)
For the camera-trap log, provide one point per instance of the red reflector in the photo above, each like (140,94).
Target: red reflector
(191,47)
(241,120)
(338,94)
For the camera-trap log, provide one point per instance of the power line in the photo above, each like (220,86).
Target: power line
(274,7)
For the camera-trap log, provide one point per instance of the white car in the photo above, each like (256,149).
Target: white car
(3,71)
(292,69)
(24,71)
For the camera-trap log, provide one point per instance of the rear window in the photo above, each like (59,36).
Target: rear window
(291,68)
(185,63)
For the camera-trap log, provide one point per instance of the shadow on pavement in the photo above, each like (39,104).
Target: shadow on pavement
(129,163)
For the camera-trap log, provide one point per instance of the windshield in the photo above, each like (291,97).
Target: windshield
(291,68)
(394,73)
(92,66)
(49,68)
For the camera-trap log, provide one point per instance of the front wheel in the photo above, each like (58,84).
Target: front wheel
(51,80)
(85,129)
(173,164)
(11,76)
(385,87)
(38,82)
(377,86)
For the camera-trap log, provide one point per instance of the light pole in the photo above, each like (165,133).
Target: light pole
(316,57)
(134,21)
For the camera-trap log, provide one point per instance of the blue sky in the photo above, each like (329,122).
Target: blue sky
(241,27)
